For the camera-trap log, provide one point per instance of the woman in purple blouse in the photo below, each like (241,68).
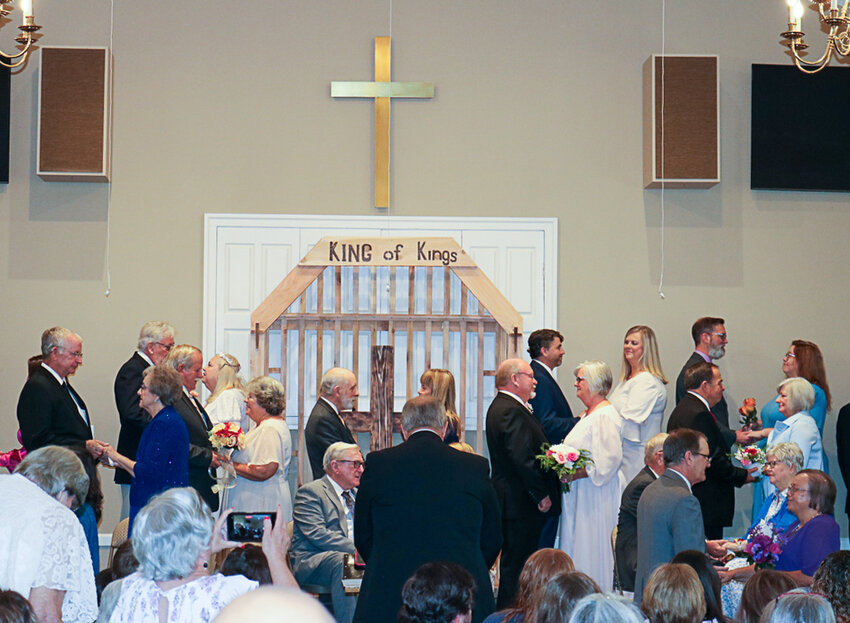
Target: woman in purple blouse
(815,534)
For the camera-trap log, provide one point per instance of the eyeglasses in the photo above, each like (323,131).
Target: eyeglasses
(707,457)
(356,464)
(772,463)
(795,489)
(789,355)
(722,336)
(73,353)
(167,347)
(579,379)
(528,374)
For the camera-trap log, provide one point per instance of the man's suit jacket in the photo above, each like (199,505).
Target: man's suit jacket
(842,438)
(720,410)
(550,406)
(47,414)
(625,548)
(419,502)
(133,418)
(514,438)
(318,525)
(716,494)
(200,450)
(324,427)
(669,521)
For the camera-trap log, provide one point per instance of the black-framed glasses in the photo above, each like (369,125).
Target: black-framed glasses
(772,463)
(167,347)
(707,457)
(356,464)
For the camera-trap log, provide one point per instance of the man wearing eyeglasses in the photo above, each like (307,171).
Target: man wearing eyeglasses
(710,339)
(156,339)
(323,525)
(704,388)
(50,411)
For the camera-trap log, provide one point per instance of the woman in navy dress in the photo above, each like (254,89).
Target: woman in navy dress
(162,460)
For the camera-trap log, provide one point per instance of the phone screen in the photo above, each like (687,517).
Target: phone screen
(247,527)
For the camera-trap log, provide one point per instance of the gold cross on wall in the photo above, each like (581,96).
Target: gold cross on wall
(382,90)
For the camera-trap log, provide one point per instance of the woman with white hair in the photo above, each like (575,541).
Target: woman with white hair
(173,539)
(262,467)
(227,399)
(43,551)
(589,508)
(796,397)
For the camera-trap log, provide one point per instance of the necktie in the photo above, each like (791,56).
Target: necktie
(80,410)
(349,504)
(201,413)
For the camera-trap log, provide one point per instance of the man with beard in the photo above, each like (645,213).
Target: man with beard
(337,393)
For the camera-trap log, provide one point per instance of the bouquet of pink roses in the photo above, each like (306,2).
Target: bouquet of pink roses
(227,436)
(564,460)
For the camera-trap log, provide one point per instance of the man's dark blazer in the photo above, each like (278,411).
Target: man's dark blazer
(200,450)
(717,494)
(48,416)
(550,406)
(514,437)
(669,522)
(133,418)
(324,427)
(842,438)
(625,548)
(419,502)
(720,410)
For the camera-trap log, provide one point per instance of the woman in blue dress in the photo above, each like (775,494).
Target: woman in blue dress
(803,359)
(162,460)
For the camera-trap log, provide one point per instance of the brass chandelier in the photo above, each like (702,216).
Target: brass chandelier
(27,28)
(838,39)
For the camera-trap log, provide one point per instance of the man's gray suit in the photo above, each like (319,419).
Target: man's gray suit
(669,520)
(319,539)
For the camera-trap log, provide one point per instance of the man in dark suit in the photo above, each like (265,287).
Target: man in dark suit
(188,362)
(156,339)
(419,502)
(337,393)
(842,439)
(526,493)
(548,404)
(625,546)
(323,525)
(669,520)
(710,339)
(50,411)
(704,387)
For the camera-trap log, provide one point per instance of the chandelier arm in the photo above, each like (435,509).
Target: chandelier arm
(12,65)
(822,61)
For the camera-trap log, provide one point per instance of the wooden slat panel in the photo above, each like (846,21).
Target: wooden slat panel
(337,341)
(381,397)
(284,359)
(462,379)
(283,295)
(486,292)
(479,438)
(393,272)
(428,328)
(320,339)
(355,347)
(355,303)
(429,290)
(302,407)
(464,296)
(447,291)
(409,372)
(446,362)
(320,293)
(391,334)
(411,283)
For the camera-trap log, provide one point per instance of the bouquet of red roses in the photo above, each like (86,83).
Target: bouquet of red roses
(749,414)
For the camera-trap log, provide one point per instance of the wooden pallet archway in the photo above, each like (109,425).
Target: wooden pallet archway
(342,273)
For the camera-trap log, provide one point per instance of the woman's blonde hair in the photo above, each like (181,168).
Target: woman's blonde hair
(228,375)
(673,594)
(442,385)
(651,360)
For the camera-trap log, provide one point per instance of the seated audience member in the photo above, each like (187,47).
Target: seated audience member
(555,600)
(109,580)
(606,608)
(673,594)
(43,551)
(274,604)
(173,538)
(832,580)
(708,578)
(798,606)
(439,592)
(440,385)
(760,590)
(90,509)
(14,608)
(539,569)
(248,560)
(815,534)
(323,525)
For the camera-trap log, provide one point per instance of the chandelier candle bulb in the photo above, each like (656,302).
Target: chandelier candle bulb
(26,9)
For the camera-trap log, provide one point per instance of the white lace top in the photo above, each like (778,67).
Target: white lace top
(42,544)
(198,601)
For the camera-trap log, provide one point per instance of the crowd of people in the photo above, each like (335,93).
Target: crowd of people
(634,534)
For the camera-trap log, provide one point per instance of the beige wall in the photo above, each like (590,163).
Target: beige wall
(225,107)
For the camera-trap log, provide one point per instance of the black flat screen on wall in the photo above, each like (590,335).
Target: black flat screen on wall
(800,129)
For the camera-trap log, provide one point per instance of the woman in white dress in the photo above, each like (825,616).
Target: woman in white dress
(262,467)
(590,506)
(227,400)
(640,397)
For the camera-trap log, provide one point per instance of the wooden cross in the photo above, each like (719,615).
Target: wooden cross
(515,336)
(382,90)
